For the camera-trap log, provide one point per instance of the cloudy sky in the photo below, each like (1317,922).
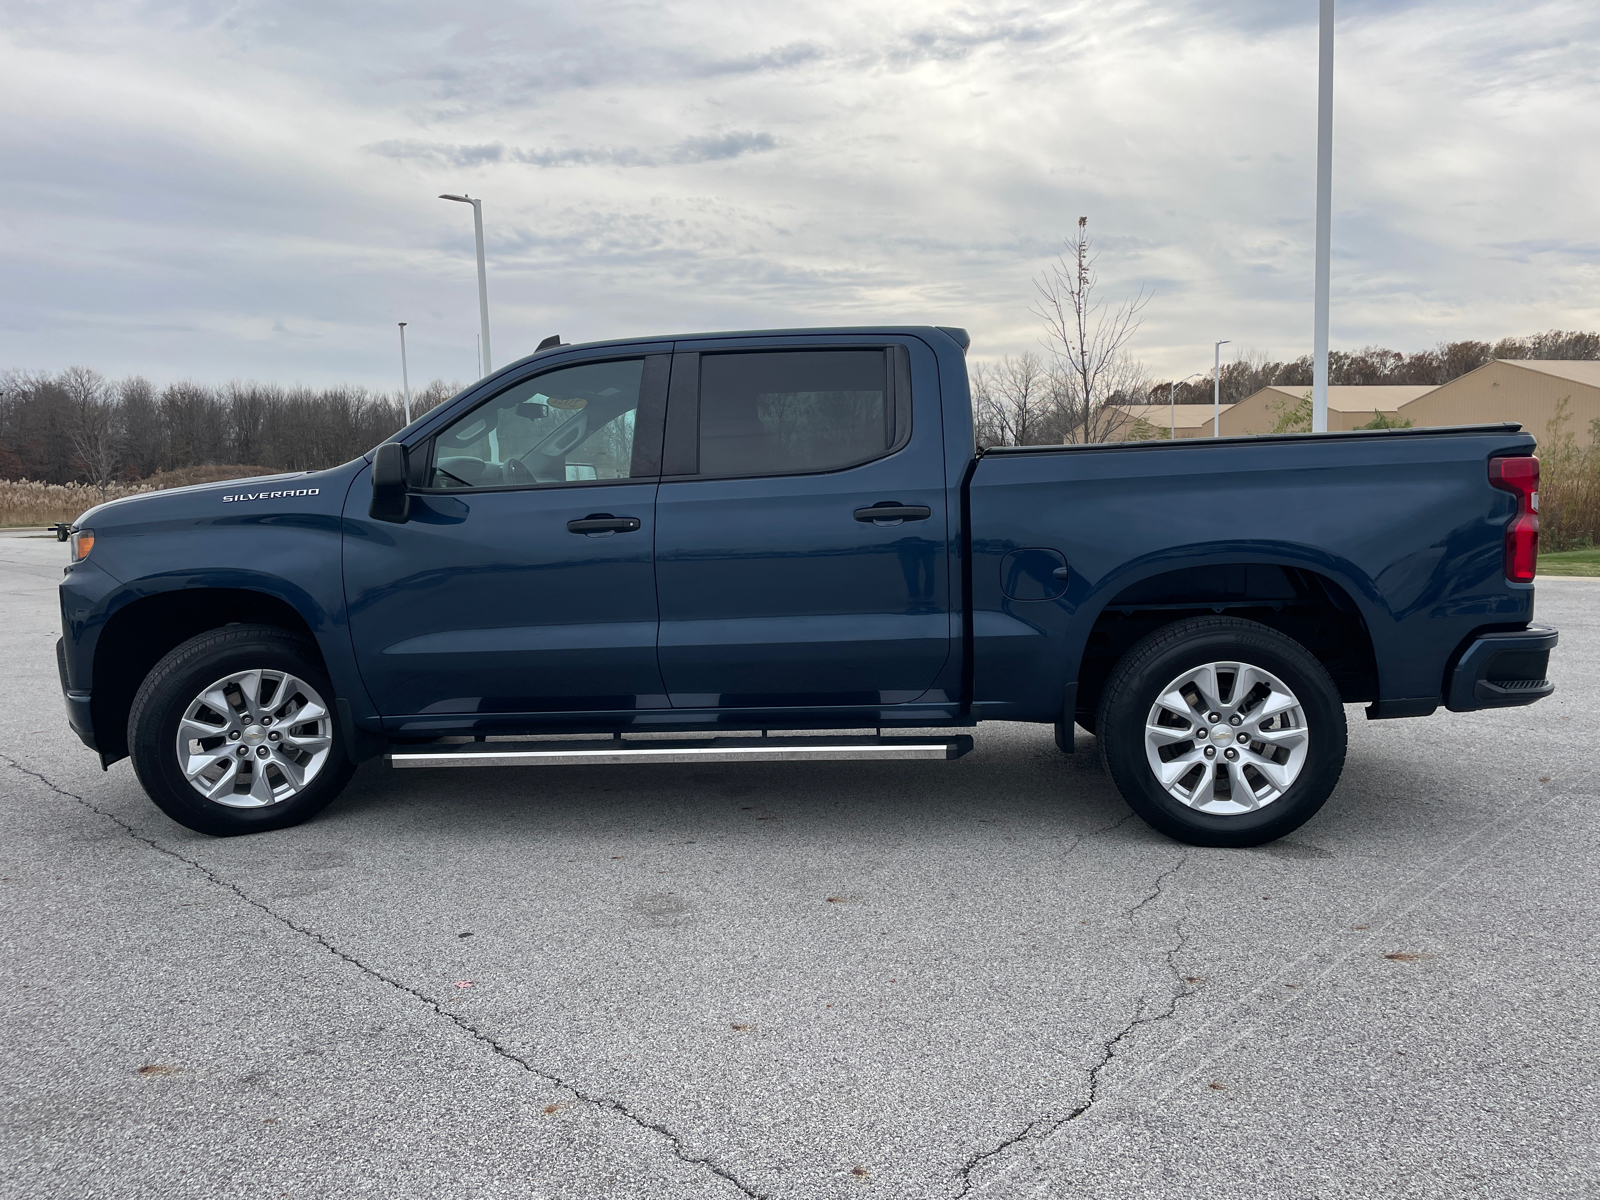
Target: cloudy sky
(249,189)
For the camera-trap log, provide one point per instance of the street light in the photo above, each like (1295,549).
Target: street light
(483,279)
(1216,388)
(1172,403)
(405,376)
(1319,332)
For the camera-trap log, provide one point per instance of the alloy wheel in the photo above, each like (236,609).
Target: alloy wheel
(1226,738)
(254,738)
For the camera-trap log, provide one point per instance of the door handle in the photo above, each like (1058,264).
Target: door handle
(894,512)
(603,523)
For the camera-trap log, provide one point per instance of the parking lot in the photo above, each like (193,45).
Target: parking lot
(980,978)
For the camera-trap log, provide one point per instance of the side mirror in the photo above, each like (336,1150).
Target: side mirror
(391,498)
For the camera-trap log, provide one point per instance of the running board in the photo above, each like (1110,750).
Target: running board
(652,751)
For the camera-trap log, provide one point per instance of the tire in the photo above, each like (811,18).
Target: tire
(1281,721)
(294,762)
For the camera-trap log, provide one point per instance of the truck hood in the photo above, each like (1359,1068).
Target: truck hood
(255,485)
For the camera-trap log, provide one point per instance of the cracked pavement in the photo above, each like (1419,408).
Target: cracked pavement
(837,980)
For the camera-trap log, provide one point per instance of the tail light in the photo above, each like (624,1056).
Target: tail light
(1520,477)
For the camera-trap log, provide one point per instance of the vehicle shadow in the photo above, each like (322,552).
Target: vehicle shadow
(1015,781)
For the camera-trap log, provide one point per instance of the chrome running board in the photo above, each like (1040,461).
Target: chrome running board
(646,752)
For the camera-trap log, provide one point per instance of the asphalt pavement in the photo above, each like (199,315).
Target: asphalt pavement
(808,981)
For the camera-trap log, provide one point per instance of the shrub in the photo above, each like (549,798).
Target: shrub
(1569,485)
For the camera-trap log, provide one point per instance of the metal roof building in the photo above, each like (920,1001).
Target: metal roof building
(1525,390)
(1192,420)
(1348,407)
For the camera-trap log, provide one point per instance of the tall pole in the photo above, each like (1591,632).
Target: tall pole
(405,375)
(1172,404)
(1216,390)
(1319,351)
(483,278)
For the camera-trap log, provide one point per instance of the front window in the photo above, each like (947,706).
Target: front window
(567,426)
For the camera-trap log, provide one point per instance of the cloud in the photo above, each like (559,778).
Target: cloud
(710,148)
(176,177)
(782,58)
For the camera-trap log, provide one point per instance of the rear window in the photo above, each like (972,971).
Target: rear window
(792,411)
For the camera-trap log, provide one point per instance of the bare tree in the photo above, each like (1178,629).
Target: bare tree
(1087,341)
(1017,401)
(143,437)
(96,448)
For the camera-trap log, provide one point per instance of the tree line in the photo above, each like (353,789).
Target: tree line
(78,426)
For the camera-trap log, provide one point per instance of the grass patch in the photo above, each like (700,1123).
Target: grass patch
(1571,562)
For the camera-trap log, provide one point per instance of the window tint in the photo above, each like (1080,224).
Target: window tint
(564,427)
(792,411)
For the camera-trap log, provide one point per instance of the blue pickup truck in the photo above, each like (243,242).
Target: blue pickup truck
(669,550)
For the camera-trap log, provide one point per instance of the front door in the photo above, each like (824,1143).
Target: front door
(778,588)
(523,581)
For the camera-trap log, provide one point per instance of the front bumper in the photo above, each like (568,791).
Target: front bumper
(78,715)
(1503,670)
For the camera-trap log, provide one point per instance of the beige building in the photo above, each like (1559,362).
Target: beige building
(1348,407)
(1192,420)
(1526,391)
(1508,389)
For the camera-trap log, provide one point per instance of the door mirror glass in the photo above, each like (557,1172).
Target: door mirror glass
(567,426)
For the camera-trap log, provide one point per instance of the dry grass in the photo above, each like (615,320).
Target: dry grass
(28,502)
(1569,486)
(210,473)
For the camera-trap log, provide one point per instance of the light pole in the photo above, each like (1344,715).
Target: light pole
(405,375)
(1319,334)
(1216,387)
(483,279)
(1172,403)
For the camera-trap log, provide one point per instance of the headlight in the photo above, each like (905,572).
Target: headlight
(82,543)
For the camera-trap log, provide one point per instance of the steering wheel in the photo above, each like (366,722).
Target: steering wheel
(519,472)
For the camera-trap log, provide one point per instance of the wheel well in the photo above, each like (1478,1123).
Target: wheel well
(1308,607)
(141,634)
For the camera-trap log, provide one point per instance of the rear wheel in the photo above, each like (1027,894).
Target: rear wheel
(1222,732)
(235,732)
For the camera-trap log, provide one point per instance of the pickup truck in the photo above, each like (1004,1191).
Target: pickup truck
(605,553)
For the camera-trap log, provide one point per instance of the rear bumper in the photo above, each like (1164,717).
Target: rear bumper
(1503,670)
(78,715)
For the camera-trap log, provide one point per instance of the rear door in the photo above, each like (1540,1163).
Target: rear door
(777,586)
(524,581)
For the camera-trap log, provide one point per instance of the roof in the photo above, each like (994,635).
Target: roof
(945,331)
(1355,399)
(1579,370)
(1187,415)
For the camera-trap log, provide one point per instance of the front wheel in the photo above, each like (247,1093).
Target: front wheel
(1222,732)
(235,731)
